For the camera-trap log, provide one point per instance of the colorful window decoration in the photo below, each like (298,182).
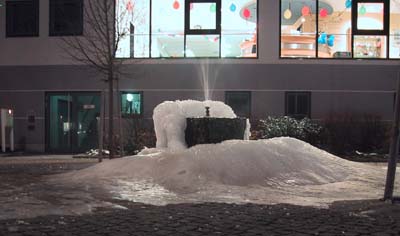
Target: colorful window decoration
(188,28)
(340,29)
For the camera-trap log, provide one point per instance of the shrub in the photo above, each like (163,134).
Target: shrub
(348,132)
(138,133)
(285,126)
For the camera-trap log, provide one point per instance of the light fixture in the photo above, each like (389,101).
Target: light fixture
(305,11)
(129,97)
(288,13)
(323,12)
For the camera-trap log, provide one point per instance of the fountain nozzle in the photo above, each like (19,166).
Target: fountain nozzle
(207,111)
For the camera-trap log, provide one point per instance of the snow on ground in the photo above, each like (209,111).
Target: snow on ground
(170,120)
(279,170)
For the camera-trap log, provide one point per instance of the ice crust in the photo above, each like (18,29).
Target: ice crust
(234,162)
(170,120)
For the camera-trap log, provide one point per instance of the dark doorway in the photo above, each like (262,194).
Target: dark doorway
(72,121)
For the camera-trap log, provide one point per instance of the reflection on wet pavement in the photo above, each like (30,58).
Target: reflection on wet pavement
(27,189)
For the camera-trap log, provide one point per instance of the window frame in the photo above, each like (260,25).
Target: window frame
(11,33)
(355,14)
(307,93)
(133,115)
(75,32)
(229,93)
(216,31)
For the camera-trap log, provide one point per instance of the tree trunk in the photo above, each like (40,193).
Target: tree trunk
(119,112)
(111,115)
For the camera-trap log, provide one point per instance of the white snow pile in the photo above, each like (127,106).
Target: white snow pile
(170,120)
(277,161)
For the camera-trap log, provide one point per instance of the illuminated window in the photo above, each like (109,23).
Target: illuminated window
(239,29)
(394,31)
(334,25)
(188,28)
(344,29)
(131,103)
(298,28)
(370,28)
(133,17)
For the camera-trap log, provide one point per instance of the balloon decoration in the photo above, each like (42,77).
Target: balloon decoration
(129,6)
(322,38)
(176,5)
(348,4)
(323,13)
(305,11)
(325,39)
(287,14)
(232,7)
(362,10)
(246,13)
(213,7)
(331,40)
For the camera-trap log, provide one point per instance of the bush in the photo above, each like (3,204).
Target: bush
(285,126)
(348,132)
(138,133)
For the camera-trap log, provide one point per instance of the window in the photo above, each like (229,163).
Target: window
(298,104)
(188,28)
(343,29)
(394,30)
(240,101)
(66,17)
(22,18)
(131,103)
(370,19)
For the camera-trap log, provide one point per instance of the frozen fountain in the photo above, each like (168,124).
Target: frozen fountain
(183,124)
(205,130)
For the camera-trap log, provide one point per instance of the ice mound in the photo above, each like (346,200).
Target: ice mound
(267,163)
(170,120)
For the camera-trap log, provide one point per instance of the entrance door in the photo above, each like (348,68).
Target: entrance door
(72,121)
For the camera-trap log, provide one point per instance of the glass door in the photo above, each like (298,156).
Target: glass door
(72,121)
(59,125)
(86,117)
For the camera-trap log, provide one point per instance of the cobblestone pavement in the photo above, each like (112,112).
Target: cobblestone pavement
(218,219)
(370,217)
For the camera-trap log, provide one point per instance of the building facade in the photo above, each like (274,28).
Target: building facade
(310,58)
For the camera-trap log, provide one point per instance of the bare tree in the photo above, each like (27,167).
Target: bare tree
(104,29)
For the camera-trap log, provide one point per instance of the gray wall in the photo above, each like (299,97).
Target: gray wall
(334,88)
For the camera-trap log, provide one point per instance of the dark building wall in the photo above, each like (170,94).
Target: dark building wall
(334,88)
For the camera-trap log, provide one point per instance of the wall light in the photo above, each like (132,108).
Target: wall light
(288,13)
